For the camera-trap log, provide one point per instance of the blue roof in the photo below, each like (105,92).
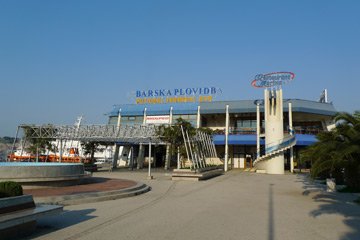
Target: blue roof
(218,107)
(250,139)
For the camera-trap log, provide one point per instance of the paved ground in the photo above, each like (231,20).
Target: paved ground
(237,205)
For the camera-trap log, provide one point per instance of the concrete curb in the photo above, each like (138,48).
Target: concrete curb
(91,197)
(13,201)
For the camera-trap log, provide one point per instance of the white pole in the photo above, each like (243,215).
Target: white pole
(211,149)
(61,150)
(257,130)
(144,120)
(291,133)
(149,173)
(196,165)
(226,139)
(13,146)
(178,157)
(23,144)
(213,146)
(118,121)
(200,152)
(115,156)
(208,152)
(205,144)
(198,117)
(141,159)
(326,95)
(37,153)
(132,157)
(171,115)
(187,152)
(77,132)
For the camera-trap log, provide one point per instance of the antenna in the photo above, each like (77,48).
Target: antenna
(324,96)
(78,122)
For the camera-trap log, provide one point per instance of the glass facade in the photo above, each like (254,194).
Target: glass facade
(127,120)
(188,117)
(246,123)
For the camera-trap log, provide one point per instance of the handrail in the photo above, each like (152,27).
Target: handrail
(271,147)
(277,142)
(279,145)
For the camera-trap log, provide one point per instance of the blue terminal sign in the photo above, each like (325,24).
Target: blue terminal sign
(176,95)
(271,80)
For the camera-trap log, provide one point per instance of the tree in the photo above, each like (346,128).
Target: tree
(8,140)
(38,145)
(338,151)
(324,157)
(173,135)
(91,147)
(348,129)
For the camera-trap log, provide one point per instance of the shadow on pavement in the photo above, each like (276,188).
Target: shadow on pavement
(68,218)
(334,203)
(310,187)
(271,213)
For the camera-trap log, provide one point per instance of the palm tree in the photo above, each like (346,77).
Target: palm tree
(337,150)
(324,157)
(348,129)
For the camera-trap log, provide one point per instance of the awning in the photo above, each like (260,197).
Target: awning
(237,139)
(250,139)
(305,139)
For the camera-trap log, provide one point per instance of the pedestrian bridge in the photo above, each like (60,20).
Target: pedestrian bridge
(93,133)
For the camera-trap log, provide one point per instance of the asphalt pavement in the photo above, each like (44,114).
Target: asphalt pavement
(237,205)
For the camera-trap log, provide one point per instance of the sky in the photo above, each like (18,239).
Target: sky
(63,59)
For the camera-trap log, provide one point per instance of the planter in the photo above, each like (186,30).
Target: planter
(196,175)
(330,185)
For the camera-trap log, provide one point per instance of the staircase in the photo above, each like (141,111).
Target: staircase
(278,147)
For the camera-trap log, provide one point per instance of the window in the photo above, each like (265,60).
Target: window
(246,123)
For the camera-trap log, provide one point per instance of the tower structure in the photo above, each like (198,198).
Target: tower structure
(274,128)
(275,141)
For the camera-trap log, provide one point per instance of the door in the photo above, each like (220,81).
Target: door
(239,160)
(248,161)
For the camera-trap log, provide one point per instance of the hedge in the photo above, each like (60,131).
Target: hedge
(10,189)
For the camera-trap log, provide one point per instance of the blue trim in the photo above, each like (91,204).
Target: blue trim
(245,139)
(305,139)
(250,139)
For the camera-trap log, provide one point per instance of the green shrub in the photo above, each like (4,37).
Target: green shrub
(10,189)
(348,189)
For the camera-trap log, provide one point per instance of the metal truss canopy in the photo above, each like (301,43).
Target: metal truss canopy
(94,133)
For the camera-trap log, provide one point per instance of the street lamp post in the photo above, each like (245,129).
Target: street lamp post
(149,172)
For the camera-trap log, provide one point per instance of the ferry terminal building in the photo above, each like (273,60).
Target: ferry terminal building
(309,118)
